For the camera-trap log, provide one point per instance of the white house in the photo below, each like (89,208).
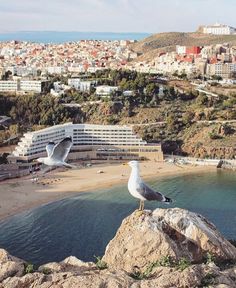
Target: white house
(105,90)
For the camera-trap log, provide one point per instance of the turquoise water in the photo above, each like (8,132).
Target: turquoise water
(83,225)
(61,37)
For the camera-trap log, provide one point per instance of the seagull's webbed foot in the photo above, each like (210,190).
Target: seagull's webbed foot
(140,211)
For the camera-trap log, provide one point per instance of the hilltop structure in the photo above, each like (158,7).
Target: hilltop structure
(218,29)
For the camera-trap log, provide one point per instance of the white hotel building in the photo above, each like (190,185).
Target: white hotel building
(89,142)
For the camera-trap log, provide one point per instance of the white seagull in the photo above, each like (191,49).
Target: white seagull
(138,189)
(57,153)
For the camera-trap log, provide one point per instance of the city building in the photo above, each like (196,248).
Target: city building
(218,29)
(188,50)
(89,142)
(105,90)
(224,70)
(74,83)
(9,86)
(23,86)
(32,86)
(85,86)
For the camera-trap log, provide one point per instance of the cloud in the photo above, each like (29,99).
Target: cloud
(114,15)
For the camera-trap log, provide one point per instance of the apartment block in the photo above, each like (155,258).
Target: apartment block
(22,86)
(9,86)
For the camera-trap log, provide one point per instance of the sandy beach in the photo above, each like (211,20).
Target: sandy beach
(22,194)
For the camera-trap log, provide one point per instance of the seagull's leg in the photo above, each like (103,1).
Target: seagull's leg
(140,210)
(142,206)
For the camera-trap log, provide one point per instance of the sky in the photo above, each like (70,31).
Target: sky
(152,16)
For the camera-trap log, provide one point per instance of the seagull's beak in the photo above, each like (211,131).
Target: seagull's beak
(34,160)
(125,164)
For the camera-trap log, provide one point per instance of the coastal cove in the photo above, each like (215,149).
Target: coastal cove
(83,224)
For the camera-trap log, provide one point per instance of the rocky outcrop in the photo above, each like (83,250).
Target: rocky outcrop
(150,250)
(201,151)
(10,266)
(177,233)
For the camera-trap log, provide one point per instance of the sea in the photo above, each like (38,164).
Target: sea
(62,37)
(84,224)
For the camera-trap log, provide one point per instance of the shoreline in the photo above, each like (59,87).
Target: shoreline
(20,195)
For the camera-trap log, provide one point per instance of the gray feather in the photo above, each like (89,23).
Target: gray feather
(62,149)
(149,194)
(49,148)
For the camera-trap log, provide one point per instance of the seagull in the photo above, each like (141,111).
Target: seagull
(138,189)
(57,153)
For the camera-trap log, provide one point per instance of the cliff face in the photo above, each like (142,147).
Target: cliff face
(163,248)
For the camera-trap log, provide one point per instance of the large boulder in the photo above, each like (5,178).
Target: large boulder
(148,237)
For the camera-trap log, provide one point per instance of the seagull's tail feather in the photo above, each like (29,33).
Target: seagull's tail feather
(167,200)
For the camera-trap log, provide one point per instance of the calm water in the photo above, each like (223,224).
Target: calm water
(83,225)
(60,37)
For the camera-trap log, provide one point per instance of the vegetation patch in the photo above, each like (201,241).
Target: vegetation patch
(29,268)
(100,264)
(209,279)
(165,261)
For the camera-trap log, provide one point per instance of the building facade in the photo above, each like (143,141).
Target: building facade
(22,86)
(219,29)
(105,90)
(89,142)
(9,86)
(224,70)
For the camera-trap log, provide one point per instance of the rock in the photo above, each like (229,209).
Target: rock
(73,261)
(169,277)
(27,281)
(10,266)
(50,267)
(144,239)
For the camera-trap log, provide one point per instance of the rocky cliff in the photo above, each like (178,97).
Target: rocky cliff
(163,248)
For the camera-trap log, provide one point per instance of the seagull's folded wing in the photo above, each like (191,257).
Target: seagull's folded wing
(148,193)
(62,149)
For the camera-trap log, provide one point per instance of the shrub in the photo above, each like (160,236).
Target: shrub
(46,270)
(101,265)
(209,279)
(29,268)
(182,264)
(214,136)
(165,261)
(210,258)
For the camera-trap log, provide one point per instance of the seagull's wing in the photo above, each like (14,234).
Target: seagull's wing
(49,148)
(62,149)
(149,194)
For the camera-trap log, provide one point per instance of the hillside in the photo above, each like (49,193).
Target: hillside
(149,46)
